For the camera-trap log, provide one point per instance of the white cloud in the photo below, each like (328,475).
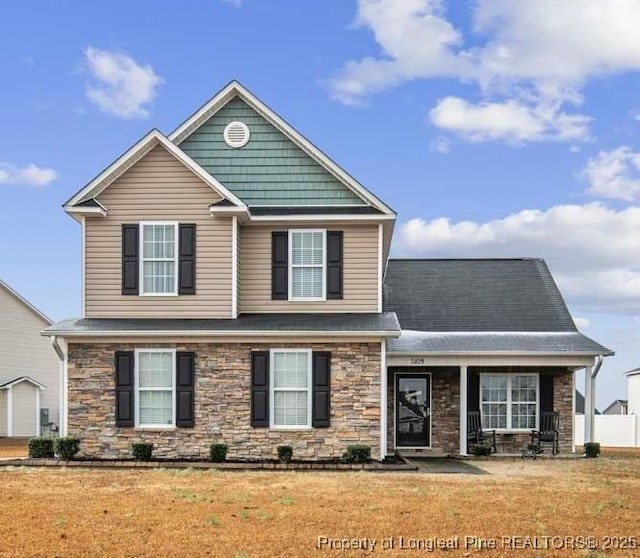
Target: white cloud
(121,86)
(592,249)
(614,174)
(416,41)
(31,175)
(511,121)
(441,145)
(532,55)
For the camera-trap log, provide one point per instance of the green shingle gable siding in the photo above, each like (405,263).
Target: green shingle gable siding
(270,169)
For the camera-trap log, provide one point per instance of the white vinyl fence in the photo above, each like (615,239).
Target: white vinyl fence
(611,430)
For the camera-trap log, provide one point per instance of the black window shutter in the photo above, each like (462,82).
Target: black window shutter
(185,372)
(321,407)
(279,265)
(187,260)
(124,388)
(334,264)
(130,260)
(546,393)
(260,389)
(473,392)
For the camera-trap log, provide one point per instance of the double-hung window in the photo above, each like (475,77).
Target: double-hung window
(159,267)
(509,401)
(155,387)
(307,265)
(290,388)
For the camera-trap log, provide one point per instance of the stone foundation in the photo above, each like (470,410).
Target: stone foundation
(222,404)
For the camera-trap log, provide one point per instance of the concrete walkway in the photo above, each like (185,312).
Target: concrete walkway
(445,465)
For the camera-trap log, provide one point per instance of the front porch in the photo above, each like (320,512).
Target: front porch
(427,409)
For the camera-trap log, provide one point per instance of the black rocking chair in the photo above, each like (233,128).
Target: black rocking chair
(548,433)
(476,435)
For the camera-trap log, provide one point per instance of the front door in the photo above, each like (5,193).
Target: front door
(413,413)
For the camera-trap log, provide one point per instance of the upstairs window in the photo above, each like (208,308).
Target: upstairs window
(307,261)
(159,249)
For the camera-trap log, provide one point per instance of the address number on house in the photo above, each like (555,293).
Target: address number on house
(416,360)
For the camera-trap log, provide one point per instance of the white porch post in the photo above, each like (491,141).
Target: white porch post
(463,410)
(589,405)
(383,399)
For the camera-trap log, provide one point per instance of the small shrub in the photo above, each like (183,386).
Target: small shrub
(41,447)
(285,453)
(592,449)
(218,452)
(142,451)
(481,449)
(357,454)
(67,447)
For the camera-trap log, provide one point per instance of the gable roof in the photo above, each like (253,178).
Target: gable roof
(465,295)
(25,303)
(235,90)
(154,138)
(20,380)
(633,372)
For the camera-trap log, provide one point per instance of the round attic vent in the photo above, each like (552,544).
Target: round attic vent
(236,134)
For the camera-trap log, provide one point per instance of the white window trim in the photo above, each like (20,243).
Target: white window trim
(136,374)
(510,376)
(272,390)
(324,266)
(176,231)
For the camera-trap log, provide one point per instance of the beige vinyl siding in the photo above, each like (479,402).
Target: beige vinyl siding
(24,352)
(158,188)
(24,403)
(3,412)
(360,271)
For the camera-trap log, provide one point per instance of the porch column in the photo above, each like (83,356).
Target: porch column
(383,399)
(589,405)
(463,410)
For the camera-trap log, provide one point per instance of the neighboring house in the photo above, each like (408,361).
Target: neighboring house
(580,404)
(633,391)
(233,291)
(29,369)
(618,407)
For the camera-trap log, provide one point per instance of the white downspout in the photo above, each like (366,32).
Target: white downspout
(62,404)
(590,374)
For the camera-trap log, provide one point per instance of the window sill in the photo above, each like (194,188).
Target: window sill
(291,428)
(154,428)
(159,294)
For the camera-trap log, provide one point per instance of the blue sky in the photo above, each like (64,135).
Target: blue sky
(491,127)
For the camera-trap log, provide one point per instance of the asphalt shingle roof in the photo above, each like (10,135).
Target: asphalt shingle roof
(327,323)
(495,343)
(475,295)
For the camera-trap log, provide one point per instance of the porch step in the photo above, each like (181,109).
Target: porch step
(411,453)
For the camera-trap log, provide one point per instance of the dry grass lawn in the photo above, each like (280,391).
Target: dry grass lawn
(92,512)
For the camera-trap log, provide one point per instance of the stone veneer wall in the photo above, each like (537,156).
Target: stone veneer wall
(445,411)
(222,404)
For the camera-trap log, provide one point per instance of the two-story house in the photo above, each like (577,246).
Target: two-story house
(237,287)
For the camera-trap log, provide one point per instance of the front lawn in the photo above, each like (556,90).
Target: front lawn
(92,512)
